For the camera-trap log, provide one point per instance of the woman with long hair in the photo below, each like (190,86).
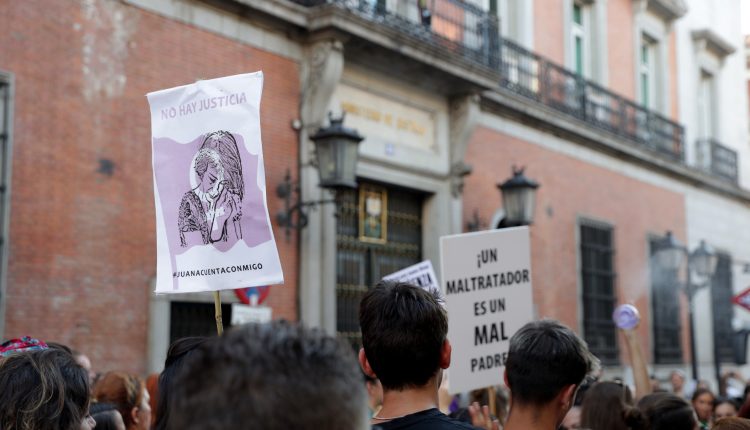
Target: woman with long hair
(128,394)
(609,406)
(43,390)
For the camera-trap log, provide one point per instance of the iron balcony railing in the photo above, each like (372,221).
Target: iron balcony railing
(462,28)
(532,76)
(717,159)
(456,26)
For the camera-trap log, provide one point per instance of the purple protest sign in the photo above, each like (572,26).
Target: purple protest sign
(212,223)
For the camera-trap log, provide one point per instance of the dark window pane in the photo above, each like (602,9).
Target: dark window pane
(665,313)
(721,303)
(598,283)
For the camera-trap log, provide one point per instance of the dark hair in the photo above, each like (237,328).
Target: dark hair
(666,411)
(253,373)
(544,357)
(178,351)
(609,405)
(123,390)
(105,415)
(403,331)
(42,390)
(701,391)
(732,423)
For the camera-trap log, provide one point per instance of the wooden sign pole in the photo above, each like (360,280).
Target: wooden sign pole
(217,310)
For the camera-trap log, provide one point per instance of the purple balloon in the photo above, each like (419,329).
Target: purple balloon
(626,317)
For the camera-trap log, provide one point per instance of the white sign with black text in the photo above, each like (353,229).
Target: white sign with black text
(421,274)
(243,314)
(487,289)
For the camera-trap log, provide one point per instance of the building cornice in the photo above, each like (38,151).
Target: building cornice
(667,10)
(712,42)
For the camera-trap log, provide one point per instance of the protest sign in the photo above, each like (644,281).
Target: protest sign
(243,314)
(487,286)
(213,231)
(421,274)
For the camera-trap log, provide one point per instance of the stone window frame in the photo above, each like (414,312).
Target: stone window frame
(595,12)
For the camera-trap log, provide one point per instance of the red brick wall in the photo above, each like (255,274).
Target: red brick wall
(571,188)
(82,244)
(549,37)
(621,56)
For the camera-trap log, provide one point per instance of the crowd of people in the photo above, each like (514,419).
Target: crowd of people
(281,375)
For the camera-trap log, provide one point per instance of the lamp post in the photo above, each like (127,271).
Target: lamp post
(671,254)
(519,198)
(337,153)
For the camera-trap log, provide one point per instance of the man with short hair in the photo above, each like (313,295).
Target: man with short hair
(546,364)
(405,345)
(275,376)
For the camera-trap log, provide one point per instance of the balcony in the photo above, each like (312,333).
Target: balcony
(455,26)
(717,160)
(459,28)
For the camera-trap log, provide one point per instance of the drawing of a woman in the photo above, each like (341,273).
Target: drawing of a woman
(210,212)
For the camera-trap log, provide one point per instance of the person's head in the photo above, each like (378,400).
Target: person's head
(107,417)
(732,423)
(404,335)
(609,405)
(279,375)
(209,171)
(128,394)
(84,361)
(178,351)
(43,390)
(703,402)
(546,364)
(225,145)
(572,420)
(677,379)
(724,408)
(667,411)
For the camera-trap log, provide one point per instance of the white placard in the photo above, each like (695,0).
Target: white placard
(243,314)
(421,274)
(487,286)
(213,231)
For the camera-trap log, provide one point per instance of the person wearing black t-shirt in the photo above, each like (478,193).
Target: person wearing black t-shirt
(405,345)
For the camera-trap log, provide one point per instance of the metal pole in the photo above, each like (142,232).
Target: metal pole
(689,291)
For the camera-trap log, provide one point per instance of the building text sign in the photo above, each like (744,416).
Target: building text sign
(385,120)
(487,285)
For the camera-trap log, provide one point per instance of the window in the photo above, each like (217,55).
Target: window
(598,291)
(706,106)
(648,72)
(665,312)
(721,305)
(580,39)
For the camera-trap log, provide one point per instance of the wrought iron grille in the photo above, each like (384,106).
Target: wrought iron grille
(721,305)
(457,26)
(5,124)
(462,28)
(360,265)
(718,160)
(195,319)
(598,282)
(665,312)
(532,76)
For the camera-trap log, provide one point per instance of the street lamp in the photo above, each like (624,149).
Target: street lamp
(519,198)
(670,254)
(337,153)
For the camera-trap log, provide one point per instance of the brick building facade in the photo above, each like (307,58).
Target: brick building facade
(597,99)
